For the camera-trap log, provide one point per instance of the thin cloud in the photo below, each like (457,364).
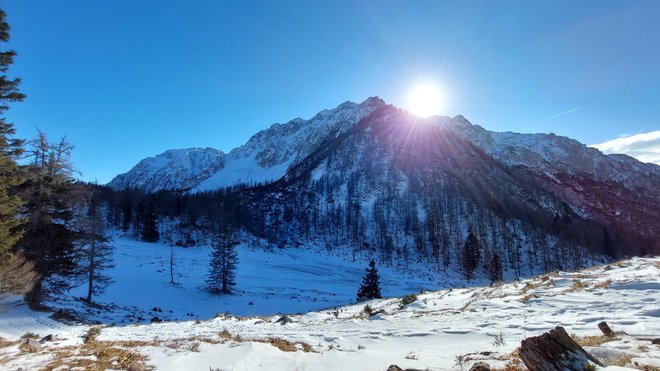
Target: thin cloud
(644,147)
(561,114)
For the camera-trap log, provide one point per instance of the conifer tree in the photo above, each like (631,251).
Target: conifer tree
(224,259)
(495,269)
(50,235)
(149,228)
(370,287)
(95,254)
(10,150)
(470,255)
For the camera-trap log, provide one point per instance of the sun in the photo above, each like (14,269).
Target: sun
(425,100)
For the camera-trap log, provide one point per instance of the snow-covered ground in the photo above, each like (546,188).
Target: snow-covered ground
(440,330)
(269,281)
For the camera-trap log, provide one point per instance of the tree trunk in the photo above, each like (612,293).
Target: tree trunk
(90,283)
(171,264)
(607,331)
(554,350)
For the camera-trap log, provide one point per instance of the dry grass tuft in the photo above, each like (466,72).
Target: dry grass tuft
(622,361)
(7,343)
(577,285)
(527,298)
(30,335)
(282,344)
(100,356)
(603,285)
(591,341)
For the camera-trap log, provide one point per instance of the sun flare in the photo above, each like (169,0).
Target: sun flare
(425,100)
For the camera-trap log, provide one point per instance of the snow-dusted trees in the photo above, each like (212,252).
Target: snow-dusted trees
(370,287)
(495,269)
(470,255)
(94,252)
(224,259)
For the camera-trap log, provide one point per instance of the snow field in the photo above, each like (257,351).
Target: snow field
(442,330)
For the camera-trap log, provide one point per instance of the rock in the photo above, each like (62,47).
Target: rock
(480,366)
(46,339)
(284,320)
(156,320)
(656,341)
(31,346)
(136,366)
(397,368)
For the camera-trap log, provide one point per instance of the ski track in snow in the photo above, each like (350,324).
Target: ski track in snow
(428,333)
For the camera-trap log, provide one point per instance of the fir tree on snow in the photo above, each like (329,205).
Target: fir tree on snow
(370,287)
(224,259)
(94,250)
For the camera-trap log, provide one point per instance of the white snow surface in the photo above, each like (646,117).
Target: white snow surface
(430,333)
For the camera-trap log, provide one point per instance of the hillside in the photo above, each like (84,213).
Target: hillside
(373,176)
(441,330)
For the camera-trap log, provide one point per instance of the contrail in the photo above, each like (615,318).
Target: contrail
(561,114)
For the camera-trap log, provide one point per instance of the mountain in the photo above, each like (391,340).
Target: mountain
(380,180)
(173,169)
(264,158)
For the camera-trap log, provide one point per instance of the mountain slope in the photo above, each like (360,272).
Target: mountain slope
(173,169)
(374,177)
(264,158)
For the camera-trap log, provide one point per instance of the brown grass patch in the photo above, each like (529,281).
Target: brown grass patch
(100,356)
(577,285)
(591,341)
(622,361)
(282,344)
(527,298)
(603,284)
(7,343)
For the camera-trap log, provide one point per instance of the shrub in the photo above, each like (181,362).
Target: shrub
(408,299)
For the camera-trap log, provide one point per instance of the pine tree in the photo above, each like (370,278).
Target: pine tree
(94,251)
(149,230)
(495,269)
(224,259)
(370,287)
(10,150)
(49,236)
(470,255)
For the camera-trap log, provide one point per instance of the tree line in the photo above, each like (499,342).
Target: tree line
(52,235)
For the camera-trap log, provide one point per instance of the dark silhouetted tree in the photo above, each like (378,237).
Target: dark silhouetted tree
(49,236)
(470,256)
(370,287)
(224,259)
(11,175)
(149,229)
(495,268)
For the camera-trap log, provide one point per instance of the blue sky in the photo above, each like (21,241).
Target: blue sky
(129,79)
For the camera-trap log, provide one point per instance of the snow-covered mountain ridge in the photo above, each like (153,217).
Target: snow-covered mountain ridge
(344,162)
(264,158)
(269,154)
